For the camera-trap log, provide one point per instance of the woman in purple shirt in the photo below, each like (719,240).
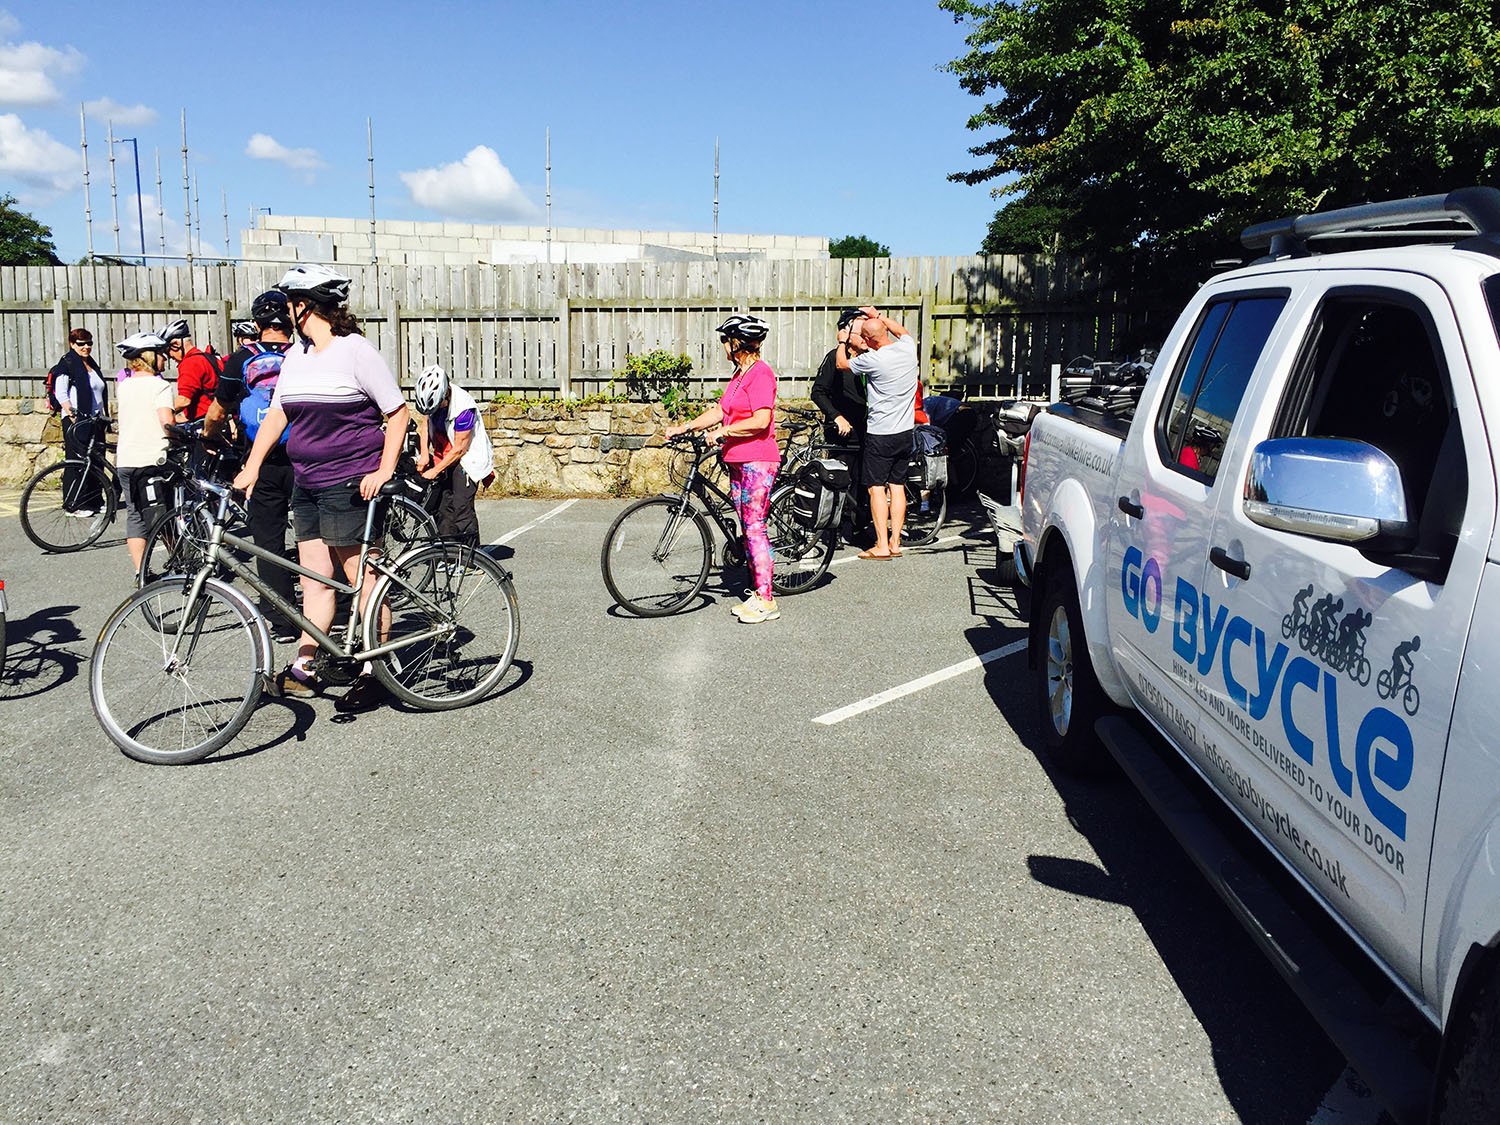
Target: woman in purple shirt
(334,392)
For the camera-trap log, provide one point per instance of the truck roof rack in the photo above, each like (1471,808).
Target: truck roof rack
(1460,216)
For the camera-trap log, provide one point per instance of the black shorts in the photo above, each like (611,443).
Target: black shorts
(887,458)
(335,514)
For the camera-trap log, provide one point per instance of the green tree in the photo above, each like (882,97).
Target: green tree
(1169,126)
(857,246)
(23,240)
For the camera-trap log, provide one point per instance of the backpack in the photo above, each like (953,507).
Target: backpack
(52,403)
(818,494)
(261,369)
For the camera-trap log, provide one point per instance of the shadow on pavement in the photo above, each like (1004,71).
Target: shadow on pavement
(36,659)
(1274,1063)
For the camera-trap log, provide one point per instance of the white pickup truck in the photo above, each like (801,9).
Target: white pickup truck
(1288,563)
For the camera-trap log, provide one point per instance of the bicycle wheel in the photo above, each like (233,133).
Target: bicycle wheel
(51,519)
(408,525)
(656,556)
(924,519)
(799,557)
(169,709)
(963,467)
(473,599)
(175,544)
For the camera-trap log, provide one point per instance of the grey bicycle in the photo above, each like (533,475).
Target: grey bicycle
(181,665)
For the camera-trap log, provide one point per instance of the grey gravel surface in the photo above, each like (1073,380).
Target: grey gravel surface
(638,884)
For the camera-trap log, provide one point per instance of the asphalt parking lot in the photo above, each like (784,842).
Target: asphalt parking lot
(642,882)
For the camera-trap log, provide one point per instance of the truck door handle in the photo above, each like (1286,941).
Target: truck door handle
(1131,508)
(1237,567)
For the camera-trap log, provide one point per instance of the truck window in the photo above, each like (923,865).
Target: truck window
(1373,370)
(1199,413)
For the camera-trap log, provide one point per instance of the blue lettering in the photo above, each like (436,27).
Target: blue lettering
(1130,581)
(1185,632)
(1150,617)
(1239,630)
(1301,672)
(1266,674)
(1341,773)
(1211,634)
(1391,769)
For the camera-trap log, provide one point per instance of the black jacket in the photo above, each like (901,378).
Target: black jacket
(839,392)
(77,369)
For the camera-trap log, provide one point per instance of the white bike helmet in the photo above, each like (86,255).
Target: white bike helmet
(315,283)
(431,388)
(742,327)
(132,346)
(246,330)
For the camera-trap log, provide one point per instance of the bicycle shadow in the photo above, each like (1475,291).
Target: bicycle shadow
(36,660)
(516,676)
(302,716)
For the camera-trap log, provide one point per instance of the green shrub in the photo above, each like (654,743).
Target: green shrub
(658,376)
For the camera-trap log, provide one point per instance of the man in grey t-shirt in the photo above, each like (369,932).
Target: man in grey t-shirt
(884,355)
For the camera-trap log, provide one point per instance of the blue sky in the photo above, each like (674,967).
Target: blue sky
(834,118)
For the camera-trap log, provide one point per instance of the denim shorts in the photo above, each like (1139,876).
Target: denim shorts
(335,514)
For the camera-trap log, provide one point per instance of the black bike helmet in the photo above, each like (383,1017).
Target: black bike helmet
(743,327)
(271,310)
(174,330)
(848,317)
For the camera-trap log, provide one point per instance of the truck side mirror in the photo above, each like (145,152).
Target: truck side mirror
(1336,489)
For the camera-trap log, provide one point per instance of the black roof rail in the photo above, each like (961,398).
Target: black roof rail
(1478,207)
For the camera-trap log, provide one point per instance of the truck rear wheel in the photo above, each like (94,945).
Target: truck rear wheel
(1471,1090)
(1069,698)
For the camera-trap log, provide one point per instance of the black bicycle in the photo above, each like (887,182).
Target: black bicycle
(67,505)
(658,552)
(926,496)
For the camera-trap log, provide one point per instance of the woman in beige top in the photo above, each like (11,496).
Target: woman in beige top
(144,411)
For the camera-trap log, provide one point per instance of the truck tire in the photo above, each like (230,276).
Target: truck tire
(1471,1091)
(1069,698)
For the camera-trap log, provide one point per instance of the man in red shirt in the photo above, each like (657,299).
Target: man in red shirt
(197,373)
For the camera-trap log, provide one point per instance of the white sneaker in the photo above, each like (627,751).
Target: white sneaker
(760,611)
(740,607)
(84,513)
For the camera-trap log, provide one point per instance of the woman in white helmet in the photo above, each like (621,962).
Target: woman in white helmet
(453,451)
(144,404)
(741,423)
(334,391)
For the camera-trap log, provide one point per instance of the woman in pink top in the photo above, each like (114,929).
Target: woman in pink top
(741,423)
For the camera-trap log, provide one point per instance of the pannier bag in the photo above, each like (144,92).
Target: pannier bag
(929,458)
(818,495)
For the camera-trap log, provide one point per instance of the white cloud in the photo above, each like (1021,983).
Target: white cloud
(478,187)
(107,109)
(262,146)
(27,70)
(46,168)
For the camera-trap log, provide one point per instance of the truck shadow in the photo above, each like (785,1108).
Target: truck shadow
(1274,1063)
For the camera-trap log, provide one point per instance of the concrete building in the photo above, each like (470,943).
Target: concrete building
(292,238)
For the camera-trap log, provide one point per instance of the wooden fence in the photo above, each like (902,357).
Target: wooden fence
(990,325)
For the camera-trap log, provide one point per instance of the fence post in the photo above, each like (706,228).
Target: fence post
(398,337)
(564,359)
(60,318)
(925,332)
(226,312)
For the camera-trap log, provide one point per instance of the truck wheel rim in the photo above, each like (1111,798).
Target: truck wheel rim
(1060,671)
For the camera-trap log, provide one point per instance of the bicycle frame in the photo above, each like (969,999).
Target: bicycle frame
(219,538)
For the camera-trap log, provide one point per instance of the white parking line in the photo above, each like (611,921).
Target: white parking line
(541,519)
(918,550)
(881,698)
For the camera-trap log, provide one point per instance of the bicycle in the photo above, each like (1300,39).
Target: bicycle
(67,506)
(925,514)
(182,663)
(658,551)
(1387,685)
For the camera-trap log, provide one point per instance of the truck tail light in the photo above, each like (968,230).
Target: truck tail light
(1021,477)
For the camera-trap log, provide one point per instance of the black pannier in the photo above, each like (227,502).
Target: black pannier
(818,494)
(929,458)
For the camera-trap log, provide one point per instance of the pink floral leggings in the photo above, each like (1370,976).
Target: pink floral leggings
(750,489)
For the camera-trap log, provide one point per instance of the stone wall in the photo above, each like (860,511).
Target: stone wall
(541,449)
